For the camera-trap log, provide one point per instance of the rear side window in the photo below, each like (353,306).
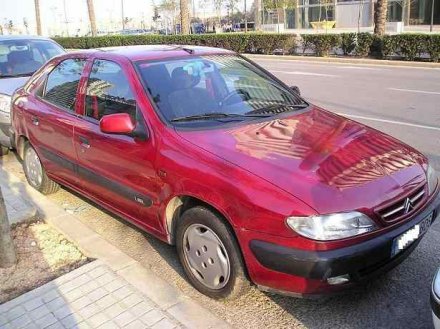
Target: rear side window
(108,91)
(62,83)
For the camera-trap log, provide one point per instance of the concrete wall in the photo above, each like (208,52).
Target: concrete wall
(347,14)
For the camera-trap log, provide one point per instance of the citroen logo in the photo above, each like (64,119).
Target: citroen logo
(408,206)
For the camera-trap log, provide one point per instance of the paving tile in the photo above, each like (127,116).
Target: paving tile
(124,318)
(71,320)
(97,294)
(75,283)
(55,304)
(3,319)
(132,300)
(88,287)
(97,272)
(106,301)
(21,321)
(96,320)
(80,303)
(141,308)
(39,312)
(164,324)
(46,321)
(50,296)
(89,310)
(115,285)
(109,325)
(152,317)
(137,324)
(33,304)
(62,312)
(104,279)
(56,325)
(15,312)
(123,292)
(73,295)
(114,310)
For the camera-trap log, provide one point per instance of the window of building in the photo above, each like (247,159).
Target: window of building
(62,83)
(108,91)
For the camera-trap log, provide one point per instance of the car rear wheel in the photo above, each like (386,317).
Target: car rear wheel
(35,173)
(210,254)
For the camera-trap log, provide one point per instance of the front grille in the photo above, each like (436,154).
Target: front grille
(404,207)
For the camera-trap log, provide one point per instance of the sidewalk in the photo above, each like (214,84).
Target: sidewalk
(345,60)
(18,209)
(114,291)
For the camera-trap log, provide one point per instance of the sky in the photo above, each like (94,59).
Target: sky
(52,11)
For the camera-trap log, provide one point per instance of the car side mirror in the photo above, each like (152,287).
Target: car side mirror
(118,123)
(295,89)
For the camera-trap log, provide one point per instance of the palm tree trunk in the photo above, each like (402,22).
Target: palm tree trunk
(7,251)
(184,17)
(37,16)
(380,17)
(92,17)
(257,17)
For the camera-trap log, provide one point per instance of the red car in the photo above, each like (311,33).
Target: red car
(208,151)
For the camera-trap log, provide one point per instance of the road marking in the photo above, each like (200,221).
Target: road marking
(416,91)
(390,121)
(305,73)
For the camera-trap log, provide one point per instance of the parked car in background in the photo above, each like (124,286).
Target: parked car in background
(210,152)
(20,57)
(435,300)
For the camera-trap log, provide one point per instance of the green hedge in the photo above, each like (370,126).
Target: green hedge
(400,46)
(240,42)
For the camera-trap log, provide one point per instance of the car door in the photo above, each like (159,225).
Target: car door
(117,170)
(51,116)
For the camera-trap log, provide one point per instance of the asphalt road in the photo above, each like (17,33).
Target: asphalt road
(400,101)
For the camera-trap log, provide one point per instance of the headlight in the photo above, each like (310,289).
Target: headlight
(432,178)
(333,226)
(5,104)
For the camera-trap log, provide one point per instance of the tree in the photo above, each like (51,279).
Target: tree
(218,4)
(380,17)
(37,16)
(257,15)
(92,18)
(184,17)
(26,25)
(7,251)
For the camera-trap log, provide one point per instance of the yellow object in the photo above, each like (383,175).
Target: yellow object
(323,25)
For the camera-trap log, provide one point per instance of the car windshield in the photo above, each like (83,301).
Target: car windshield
(210,90)
(24,57)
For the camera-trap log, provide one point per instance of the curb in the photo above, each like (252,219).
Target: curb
(338,60)
(165,295)
(18,209)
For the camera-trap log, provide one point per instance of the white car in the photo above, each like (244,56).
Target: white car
(20,57)
(435,300)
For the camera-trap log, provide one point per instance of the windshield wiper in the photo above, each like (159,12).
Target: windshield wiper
(17,75)
(276,109)
(217,115)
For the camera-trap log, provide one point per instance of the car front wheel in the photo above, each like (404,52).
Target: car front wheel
(35,173)
(210,254)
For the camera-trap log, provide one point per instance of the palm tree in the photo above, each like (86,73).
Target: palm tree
(92,17)
(184,17)
(37,16)
(257,15)
(380,17)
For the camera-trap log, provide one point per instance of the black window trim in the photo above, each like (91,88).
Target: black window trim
(59,107)
(92,120)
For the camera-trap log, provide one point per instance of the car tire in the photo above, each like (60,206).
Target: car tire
(210,255)
(35,173)
(4,150)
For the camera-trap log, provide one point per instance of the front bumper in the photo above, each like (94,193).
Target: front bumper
(361,262)
(435,302)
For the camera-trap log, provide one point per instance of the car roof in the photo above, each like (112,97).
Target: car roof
(23,37)
(152,52)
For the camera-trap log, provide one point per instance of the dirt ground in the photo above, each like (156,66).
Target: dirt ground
(43,254)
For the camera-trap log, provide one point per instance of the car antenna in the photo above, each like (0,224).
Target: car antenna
(188,50)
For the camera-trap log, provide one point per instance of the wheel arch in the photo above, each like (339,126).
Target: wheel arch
(177,205)
(21,143)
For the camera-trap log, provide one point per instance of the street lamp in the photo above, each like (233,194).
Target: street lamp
(432,15)
(122,13)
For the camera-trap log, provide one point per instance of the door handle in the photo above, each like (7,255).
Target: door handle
(35,121)
(84,142)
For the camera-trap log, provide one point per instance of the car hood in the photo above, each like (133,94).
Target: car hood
(9,85)
(328,161)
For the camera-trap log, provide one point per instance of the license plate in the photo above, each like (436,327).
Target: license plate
(404,240)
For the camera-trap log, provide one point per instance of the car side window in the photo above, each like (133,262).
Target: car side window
(62,83)
(108,91)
